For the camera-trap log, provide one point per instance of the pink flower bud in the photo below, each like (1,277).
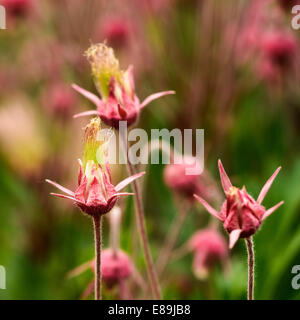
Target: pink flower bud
(209,248)
(116,87)
(177,177)
(16,8)
(59,99)
(115,266)
(241,214)
(280,48)
(288,4)
(95,195)
(116,32)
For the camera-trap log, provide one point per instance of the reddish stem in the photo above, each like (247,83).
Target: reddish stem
(98,235)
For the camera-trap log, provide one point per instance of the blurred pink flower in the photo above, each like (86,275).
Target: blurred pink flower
(176,178)
(240,213)
(16,8)
(209,248)
(116,32)
(59,99)
(288,4)
(278,56)
(280,48)
(115,266)
(119,101)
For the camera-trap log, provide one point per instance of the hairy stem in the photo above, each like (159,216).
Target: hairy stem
(250,250)
(98,234)
(142,228)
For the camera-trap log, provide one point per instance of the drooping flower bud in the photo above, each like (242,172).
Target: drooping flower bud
(279,48)
(16,8)
(95,195)
(115,266)
(178,178)
(288,4)
(116,32)
(59,99)
(209,248)
(116,87)
(241,214)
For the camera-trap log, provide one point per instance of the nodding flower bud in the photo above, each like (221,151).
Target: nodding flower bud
(59,99)
(115,266)
(209,248)
(178,178)
(116,87)
(116,32)
(95,194)
(279,48)
(288,4)
(241,214)
(16,8)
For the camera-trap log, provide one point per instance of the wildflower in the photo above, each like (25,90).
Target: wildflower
(240,213)
(288,4)
(280,48)
(209,247)
(16,8)
(95,195)
(115,266)
(116,32)
(118,99)
(59,99)
(177,178)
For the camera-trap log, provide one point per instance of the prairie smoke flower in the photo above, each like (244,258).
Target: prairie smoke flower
(116,32)
(288,4)
(59,99)
(95,194)
(115,266)
(118,100)
(280,48)
(240,213)
(177,178)
(209,248)
(16,8)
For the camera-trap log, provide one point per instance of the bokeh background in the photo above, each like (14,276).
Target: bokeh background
(235,68)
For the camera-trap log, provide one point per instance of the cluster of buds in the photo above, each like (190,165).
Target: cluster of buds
(118,100)
(95,194)
(209,248)
(240,213)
